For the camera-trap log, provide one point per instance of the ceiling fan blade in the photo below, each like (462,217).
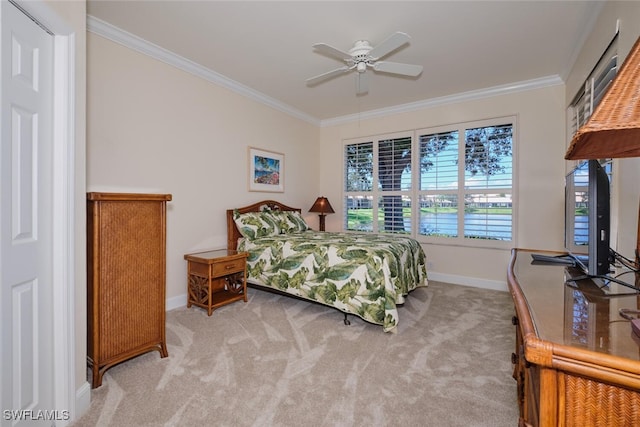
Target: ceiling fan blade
(398,68)
(326,76)
(393,42)
(362,83)
(332,51)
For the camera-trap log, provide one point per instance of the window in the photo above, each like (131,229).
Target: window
(594,87)
(438,196)
(378,185)
(394,185)
(458,187)
(466,185)
(359,186)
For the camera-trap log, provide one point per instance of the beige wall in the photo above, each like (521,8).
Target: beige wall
(626,193)
(154,128)
(539,170)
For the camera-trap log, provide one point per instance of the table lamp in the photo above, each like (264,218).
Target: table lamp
(323,207)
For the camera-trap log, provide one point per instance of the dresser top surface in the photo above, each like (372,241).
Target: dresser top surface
(581,313)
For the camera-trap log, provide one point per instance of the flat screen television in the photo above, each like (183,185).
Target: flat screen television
(588,217)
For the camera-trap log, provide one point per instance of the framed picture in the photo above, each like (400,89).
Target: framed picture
(266,171)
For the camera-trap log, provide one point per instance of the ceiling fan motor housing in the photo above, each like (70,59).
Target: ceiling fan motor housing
(360,55)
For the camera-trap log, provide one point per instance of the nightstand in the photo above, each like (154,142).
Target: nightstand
(216,278)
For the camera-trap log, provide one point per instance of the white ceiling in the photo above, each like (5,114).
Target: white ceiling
(464,46)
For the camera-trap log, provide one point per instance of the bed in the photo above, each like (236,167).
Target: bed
(364,274)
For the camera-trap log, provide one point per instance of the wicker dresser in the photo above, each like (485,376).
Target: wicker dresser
(577,361)
(126,257)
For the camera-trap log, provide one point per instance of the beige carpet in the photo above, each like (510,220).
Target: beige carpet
(277,361)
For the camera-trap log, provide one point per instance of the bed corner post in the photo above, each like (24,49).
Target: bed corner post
(232,238)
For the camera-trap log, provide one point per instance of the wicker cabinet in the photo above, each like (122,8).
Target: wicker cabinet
(577,362)
(126,260)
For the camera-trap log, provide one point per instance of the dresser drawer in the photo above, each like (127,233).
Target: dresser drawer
(227,267)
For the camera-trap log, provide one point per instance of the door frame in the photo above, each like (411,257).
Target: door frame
(63,209)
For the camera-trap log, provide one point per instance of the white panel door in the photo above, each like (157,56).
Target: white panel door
(26,360)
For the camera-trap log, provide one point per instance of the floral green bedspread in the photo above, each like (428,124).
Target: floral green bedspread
(363,274)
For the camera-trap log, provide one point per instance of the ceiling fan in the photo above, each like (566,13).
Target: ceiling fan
(362,56)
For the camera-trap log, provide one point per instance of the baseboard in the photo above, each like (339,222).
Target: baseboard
(475,282)
(83,399)
(176,302)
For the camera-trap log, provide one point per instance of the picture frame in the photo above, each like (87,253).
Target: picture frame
(266,171)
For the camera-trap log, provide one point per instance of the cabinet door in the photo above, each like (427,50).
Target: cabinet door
(132,257)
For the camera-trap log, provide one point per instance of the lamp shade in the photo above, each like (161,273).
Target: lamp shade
(613,130)
(322,205)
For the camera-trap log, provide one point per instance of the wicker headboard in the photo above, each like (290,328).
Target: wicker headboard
(232,231)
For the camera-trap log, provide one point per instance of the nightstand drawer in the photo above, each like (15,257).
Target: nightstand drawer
(227,267)
(198,269)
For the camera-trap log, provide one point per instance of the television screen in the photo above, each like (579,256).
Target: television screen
(587,216)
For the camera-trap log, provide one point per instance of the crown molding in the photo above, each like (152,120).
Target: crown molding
(449,99)
(124,38)
(134,42)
